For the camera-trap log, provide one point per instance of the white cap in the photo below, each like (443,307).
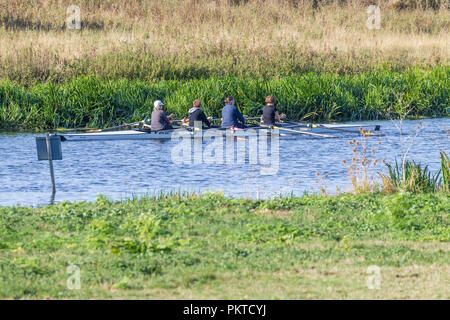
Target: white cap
(158,103)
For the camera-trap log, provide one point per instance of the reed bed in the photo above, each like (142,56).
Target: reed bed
(411,177)
(191,39)
(95,102)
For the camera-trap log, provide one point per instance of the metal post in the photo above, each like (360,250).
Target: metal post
(50,161)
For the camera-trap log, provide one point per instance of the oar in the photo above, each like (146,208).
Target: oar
(343,130)
(251,118)
(304,132)
(116,127)
(73,129)
(124,125)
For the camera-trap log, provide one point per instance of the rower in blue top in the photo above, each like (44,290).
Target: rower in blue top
(231,116)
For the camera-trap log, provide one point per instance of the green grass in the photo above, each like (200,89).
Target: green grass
(93,102)
(208,246)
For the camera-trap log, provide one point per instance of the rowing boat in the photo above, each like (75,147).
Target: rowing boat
(139,134)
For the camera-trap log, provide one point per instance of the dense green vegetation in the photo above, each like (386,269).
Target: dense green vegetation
(94,102)
(214,247)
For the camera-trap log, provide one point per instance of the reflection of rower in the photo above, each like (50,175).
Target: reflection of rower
(270,113)
(197,114)
(160,121)
(231,116)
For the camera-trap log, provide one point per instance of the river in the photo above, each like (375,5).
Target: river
(123,169)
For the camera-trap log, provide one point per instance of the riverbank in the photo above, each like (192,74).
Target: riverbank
(208,246)
(95,102)
(318,58)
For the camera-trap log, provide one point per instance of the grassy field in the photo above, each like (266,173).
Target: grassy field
(189,39)
(321,63)
(92,102)
(213,247)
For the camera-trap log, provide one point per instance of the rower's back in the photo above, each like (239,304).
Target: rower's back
(197,114)
(231,116)
(268,117)
(158,121)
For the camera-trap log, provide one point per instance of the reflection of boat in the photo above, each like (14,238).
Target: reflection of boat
(290,128)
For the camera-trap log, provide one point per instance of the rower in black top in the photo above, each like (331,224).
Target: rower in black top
(197,114)
(270,113)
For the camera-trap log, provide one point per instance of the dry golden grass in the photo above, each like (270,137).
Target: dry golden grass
(33,33)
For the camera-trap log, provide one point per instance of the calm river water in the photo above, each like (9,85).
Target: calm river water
(122,169)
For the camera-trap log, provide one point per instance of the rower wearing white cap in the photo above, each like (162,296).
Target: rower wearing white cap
(160,121)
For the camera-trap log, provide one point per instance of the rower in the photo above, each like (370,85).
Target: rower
(231,116)
(160,121)
(270,113)
(197,114)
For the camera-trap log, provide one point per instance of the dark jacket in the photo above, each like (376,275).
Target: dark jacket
(268,117)
(231,116)
(197,114)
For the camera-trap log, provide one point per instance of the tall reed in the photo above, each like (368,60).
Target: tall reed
(445,171)
(410,177)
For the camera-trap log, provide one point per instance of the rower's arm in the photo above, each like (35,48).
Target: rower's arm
(240,116)
(205,119)
(277,116)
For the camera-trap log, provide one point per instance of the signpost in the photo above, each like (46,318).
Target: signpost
(49,148)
